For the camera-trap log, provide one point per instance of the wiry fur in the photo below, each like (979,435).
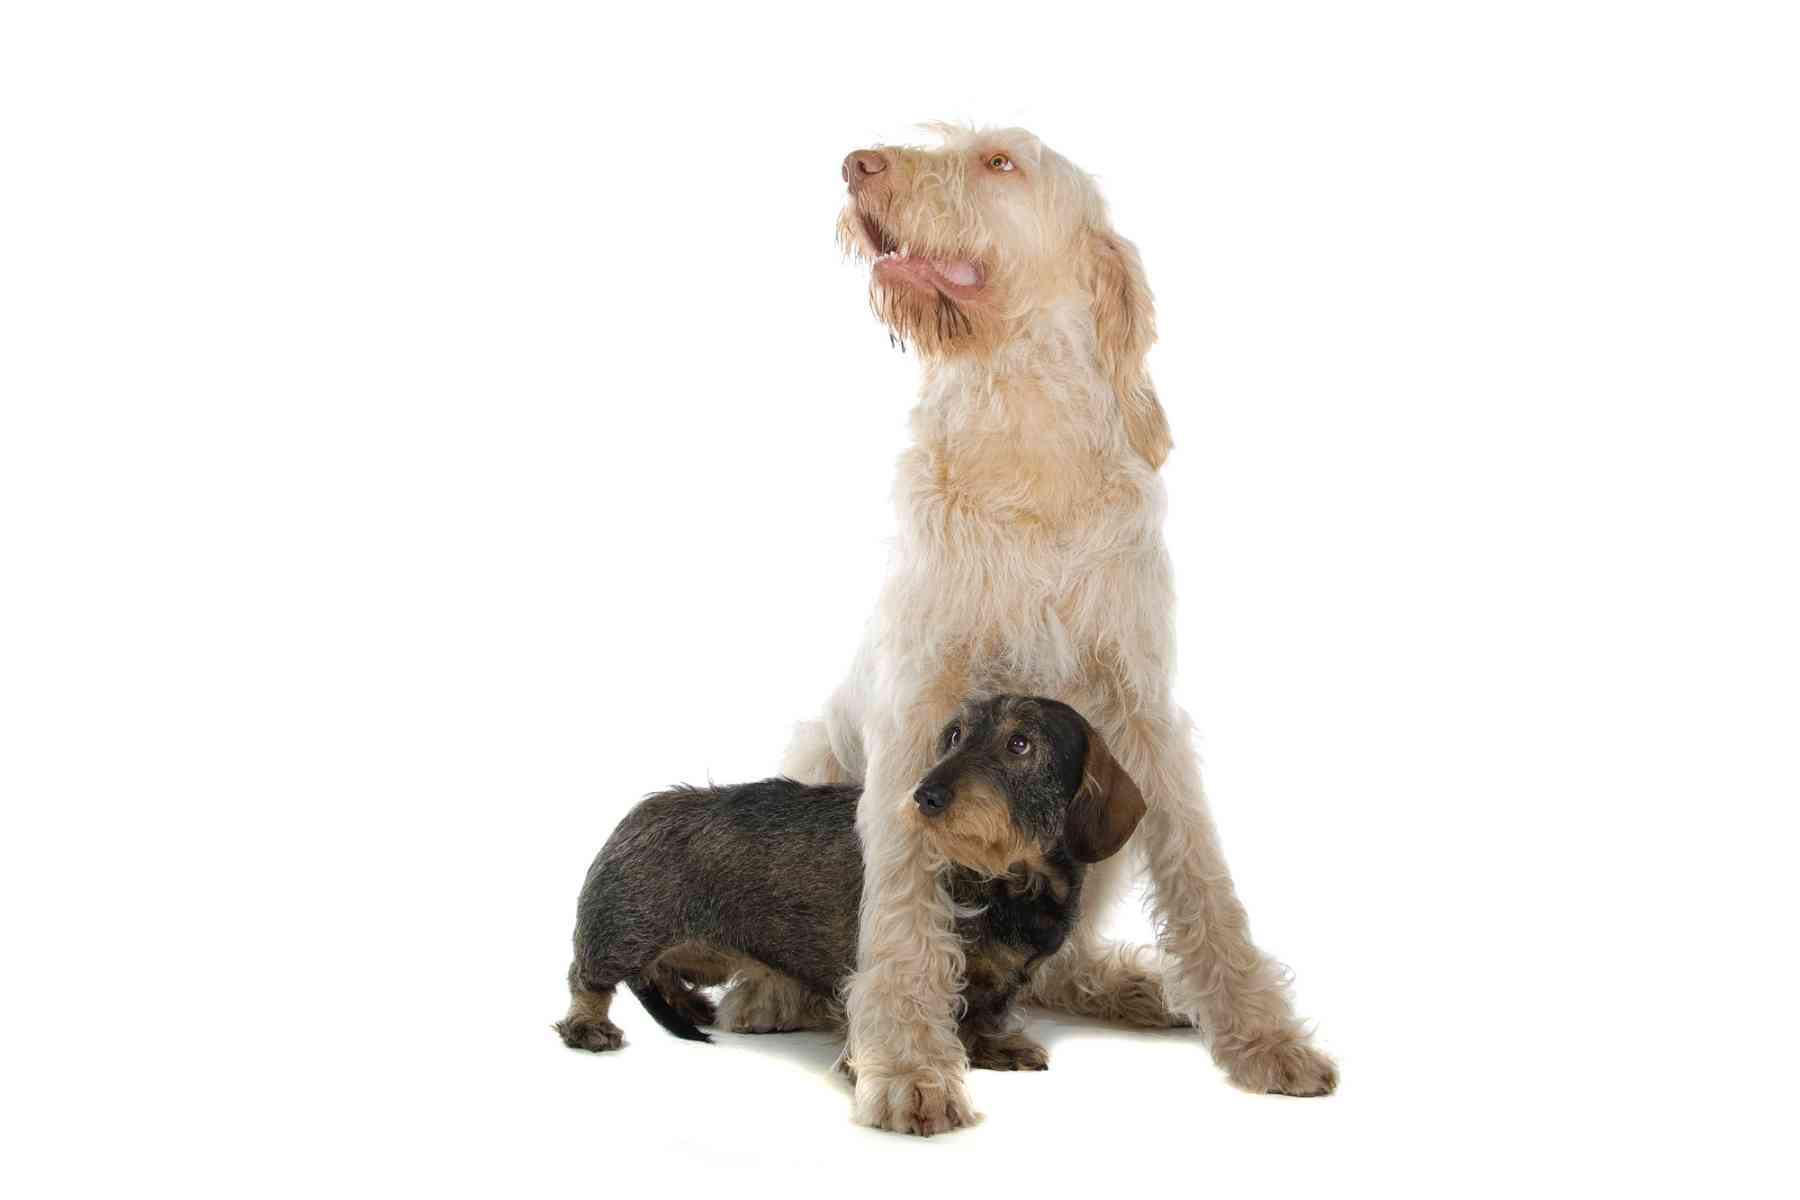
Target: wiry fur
(762,882)
(1030,558)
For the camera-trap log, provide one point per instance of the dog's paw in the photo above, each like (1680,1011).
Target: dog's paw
(1287,1066)
(1013,1052)
(766,1004)
(598,1036)
(920,1103)
(747,1008)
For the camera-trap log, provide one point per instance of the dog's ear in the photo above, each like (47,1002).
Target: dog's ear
(1106,808)
(1125,319)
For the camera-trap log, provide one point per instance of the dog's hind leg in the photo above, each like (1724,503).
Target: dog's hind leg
(588,1026)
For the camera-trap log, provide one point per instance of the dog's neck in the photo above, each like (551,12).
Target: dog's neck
(1027,431)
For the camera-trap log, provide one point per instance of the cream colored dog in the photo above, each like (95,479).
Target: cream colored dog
(1030,559)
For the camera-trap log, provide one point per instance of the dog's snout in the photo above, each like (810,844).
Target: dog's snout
(932,798)
(859,165)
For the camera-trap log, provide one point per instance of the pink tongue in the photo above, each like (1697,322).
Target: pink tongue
(960,273)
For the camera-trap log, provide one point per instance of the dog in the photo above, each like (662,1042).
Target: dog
(1030,559)
(697,884)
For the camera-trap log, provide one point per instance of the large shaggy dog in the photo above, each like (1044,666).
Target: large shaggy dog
(1030,559)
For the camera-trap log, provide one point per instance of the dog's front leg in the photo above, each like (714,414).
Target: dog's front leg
(904,1051)
(1237,994)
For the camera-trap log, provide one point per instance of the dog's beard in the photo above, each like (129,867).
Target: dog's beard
(933,322)
(918,314)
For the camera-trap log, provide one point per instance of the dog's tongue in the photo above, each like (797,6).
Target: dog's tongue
(958,272)
(929,272)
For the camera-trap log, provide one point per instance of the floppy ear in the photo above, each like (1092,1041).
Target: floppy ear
(1126,321)
(1106,809)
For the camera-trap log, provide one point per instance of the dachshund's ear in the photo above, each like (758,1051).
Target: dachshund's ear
(1125,322)
(1106,808)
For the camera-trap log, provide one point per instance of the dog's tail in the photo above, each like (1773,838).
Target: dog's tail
(665,1014)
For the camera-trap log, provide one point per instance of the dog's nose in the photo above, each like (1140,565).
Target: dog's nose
(932,798)
(860,165)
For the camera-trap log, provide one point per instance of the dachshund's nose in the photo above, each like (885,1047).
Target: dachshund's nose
(932,798)
(861,165)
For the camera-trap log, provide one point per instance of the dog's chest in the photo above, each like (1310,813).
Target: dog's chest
(1028,575)
(1013,925)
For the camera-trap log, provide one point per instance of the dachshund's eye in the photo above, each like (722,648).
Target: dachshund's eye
(1018,744)
(999,162)
(954,737)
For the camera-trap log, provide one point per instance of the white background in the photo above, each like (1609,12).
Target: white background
(427,428)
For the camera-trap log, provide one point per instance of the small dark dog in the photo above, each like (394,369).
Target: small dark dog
(698,884)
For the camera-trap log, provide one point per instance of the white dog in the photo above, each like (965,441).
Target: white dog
(1030,560)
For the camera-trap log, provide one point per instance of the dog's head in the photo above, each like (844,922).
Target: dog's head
(991,230)
(1018,778)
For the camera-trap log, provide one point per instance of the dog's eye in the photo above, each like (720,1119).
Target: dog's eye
(1000,162)
(1018,744)
(955,735)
